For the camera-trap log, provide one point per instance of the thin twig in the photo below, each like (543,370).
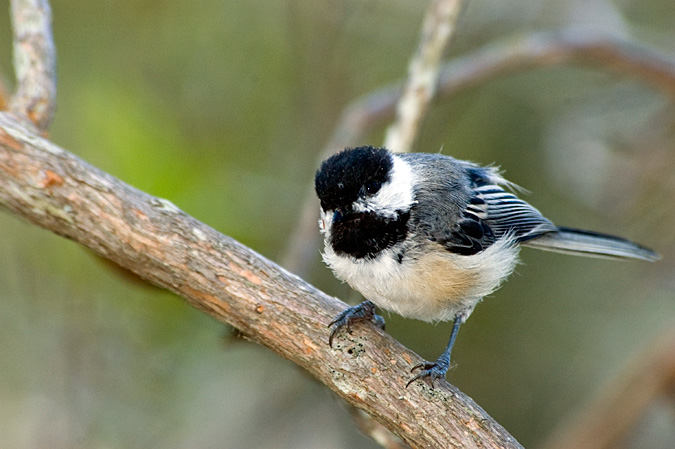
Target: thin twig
(495,60)
(34,62)
(438,29)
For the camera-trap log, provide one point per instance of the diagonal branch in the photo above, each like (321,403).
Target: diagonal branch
(52,188)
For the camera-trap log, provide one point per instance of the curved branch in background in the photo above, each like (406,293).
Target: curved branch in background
(34,62)
(604,422)
(566,47)
(440,25)
(55,190)
(535,50)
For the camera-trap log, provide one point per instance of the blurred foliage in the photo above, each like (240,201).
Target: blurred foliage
(221,107)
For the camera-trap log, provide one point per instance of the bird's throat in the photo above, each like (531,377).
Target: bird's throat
(366,234)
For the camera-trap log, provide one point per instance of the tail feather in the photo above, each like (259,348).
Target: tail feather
(591,244)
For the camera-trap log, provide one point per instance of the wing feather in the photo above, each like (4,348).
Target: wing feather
(506,213)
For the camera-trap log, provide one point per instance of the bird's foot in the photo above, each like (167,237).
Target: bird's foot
(430,371)
(437,370)
(361,312)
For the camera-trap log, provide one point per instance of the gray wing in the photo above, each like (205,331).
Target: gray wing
(505,214)
(476,210)
(466,208)
(492,213)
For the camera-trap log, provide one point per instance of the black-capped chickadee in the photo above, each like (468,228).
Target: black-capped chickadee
(428,236)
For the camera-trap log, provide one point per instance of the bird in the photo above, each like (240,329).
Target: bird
(428,236)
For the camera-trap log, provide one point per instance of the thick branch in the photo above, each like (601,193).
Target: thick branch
(34,62)
(55,190)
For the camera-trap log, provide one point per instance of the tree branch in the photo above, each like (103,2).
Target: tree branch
(537,50)
(34,62)
(440,24)
(52,188)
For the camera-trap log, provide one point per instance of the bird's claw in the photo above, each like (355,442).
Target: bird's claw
(360,312)
(429,372)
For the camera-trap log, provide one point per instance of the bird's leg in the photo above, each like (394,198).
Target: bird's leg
(361,312)
(439,368)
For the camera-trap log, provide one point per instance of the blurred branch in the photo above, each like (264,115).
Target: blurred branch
(52,188)
(440,23)
(368,426)
(4,98)
(605,421)
(34,62)
(536,50)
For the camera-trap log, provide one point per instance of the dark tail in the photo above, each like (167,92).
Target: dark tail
(591,244)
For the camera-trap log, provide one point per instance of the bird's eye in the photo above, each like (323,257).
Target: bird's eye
(373,187)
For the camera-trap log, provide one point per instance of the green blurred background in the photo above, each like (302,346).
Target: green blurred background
(222,107)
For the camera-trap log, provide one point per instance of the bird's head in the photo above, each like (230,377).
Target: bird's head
(366,194)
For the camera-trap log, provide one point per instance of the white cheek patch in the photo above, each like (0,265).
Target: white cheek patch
(397,194)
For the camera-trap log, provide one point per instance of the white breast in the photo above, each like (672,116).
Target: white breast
(429,284)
